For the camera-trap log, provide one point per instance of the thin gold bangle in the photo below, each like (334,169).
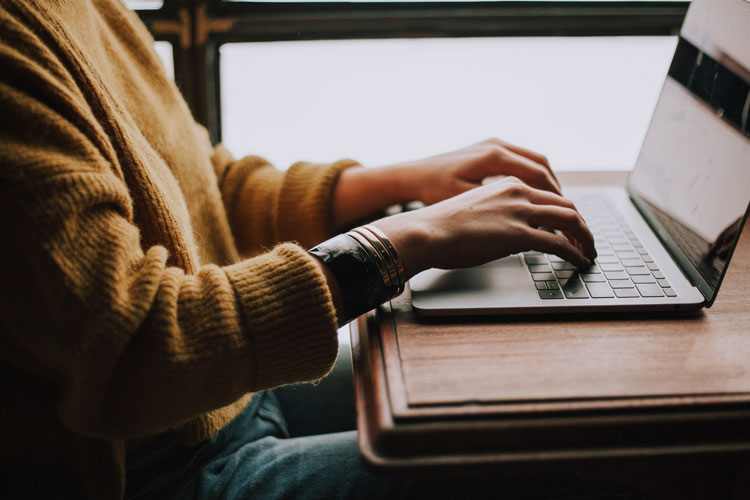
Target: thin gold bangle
(384,253)
(376,257)
(394,253)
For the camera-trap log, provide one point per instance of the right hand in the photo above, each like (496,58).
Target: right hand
(488,223)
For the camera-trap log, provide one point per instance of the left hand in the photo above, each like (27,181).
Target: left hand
(363,191)
(440,177)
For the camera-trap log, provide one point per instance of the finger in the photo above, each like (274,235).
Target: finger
(530,172)
(559,245)
(541,197)
(463,186)
(501,179)
(531,155)
(566,220)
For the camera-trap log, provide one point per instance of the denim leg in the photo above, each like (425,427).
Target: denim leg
(254,458)
(166,466)
(326,466)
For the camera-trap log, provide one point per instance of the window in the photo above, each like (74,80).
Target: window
(585,102)
(144,4)
(249,94)
(165,52)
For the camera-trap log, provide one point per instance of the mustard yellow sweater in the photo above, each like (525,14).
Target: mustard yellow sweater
(126,308)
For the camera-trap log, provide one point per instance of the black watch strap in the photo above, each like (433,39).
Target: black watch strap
(359,280)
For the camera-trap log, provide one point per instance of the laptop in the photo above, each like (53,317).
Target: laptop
(664,242)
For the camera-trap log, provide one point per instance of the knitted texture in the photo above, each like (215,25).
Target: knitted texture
(126,309)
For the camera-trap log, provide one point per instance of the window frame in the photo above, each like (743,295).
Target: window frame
(265,21)
(171,23)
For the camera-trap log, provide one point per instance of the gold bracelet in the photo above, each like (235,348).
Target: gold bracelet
(379,261)
(384,254)
(399,265)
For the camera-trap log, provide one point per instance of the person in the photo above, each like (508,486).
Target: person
(156,288)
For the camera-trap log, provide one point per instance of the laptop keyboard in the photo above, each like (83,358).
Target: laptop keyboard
(623,268)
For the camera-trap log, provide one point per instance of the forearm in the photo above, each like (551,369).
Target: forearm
(362,192)
(266,206)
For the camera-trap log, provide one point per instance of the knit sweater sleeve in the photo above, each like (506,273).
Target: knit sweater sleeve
(266,205)
(130,344)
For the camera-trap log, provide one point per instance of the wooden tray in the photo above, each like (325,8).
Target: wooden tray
(565,388)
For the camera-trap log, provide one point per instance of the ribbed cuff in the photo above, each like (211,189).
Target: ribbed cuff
(308,189)
(288,312)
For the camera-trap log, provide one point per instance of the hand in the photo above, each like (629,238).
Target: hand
(363,191)
(440,177)
(488,223)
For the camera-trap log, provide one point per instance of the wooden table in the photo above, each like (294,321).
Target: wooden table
(544,390)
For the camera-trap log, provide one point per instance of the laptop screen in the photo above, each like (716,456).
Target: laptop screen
(692,178)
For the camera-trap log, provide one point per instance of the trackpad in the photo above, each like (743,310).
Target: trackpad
(502,282)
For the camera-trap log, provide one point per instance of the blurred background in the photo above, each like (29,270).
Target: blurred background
(386,81)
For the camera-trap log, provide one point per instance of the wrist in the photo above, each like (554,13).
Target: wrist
(404,182)
(411,240)
(362,192)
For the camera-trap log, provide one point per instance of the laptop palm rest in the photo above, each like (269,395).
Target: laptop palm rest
(501,283)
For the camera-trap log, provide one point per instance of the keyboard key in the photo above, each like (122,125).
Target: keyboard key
(540,285)
(574,289)
(642,251)
(551,285)
(617,284)
(550,294)
(564,274)
(659,275)
(532,252)
(626,293)
(670,292)
(555,258)
(611,267)
(535,259)
(652,266)
(616,275)
(643,279)
(600,290)
(608,259)
(635,271)
(647,258)
(650,290)
(632,262)
(622,248)
(563,266)
(540,268)
(543,276)
(627,255)
(593,278)
(663,283)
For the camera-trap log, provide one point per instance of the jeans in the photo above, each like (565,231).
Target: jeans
(293,442)
(299,443)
